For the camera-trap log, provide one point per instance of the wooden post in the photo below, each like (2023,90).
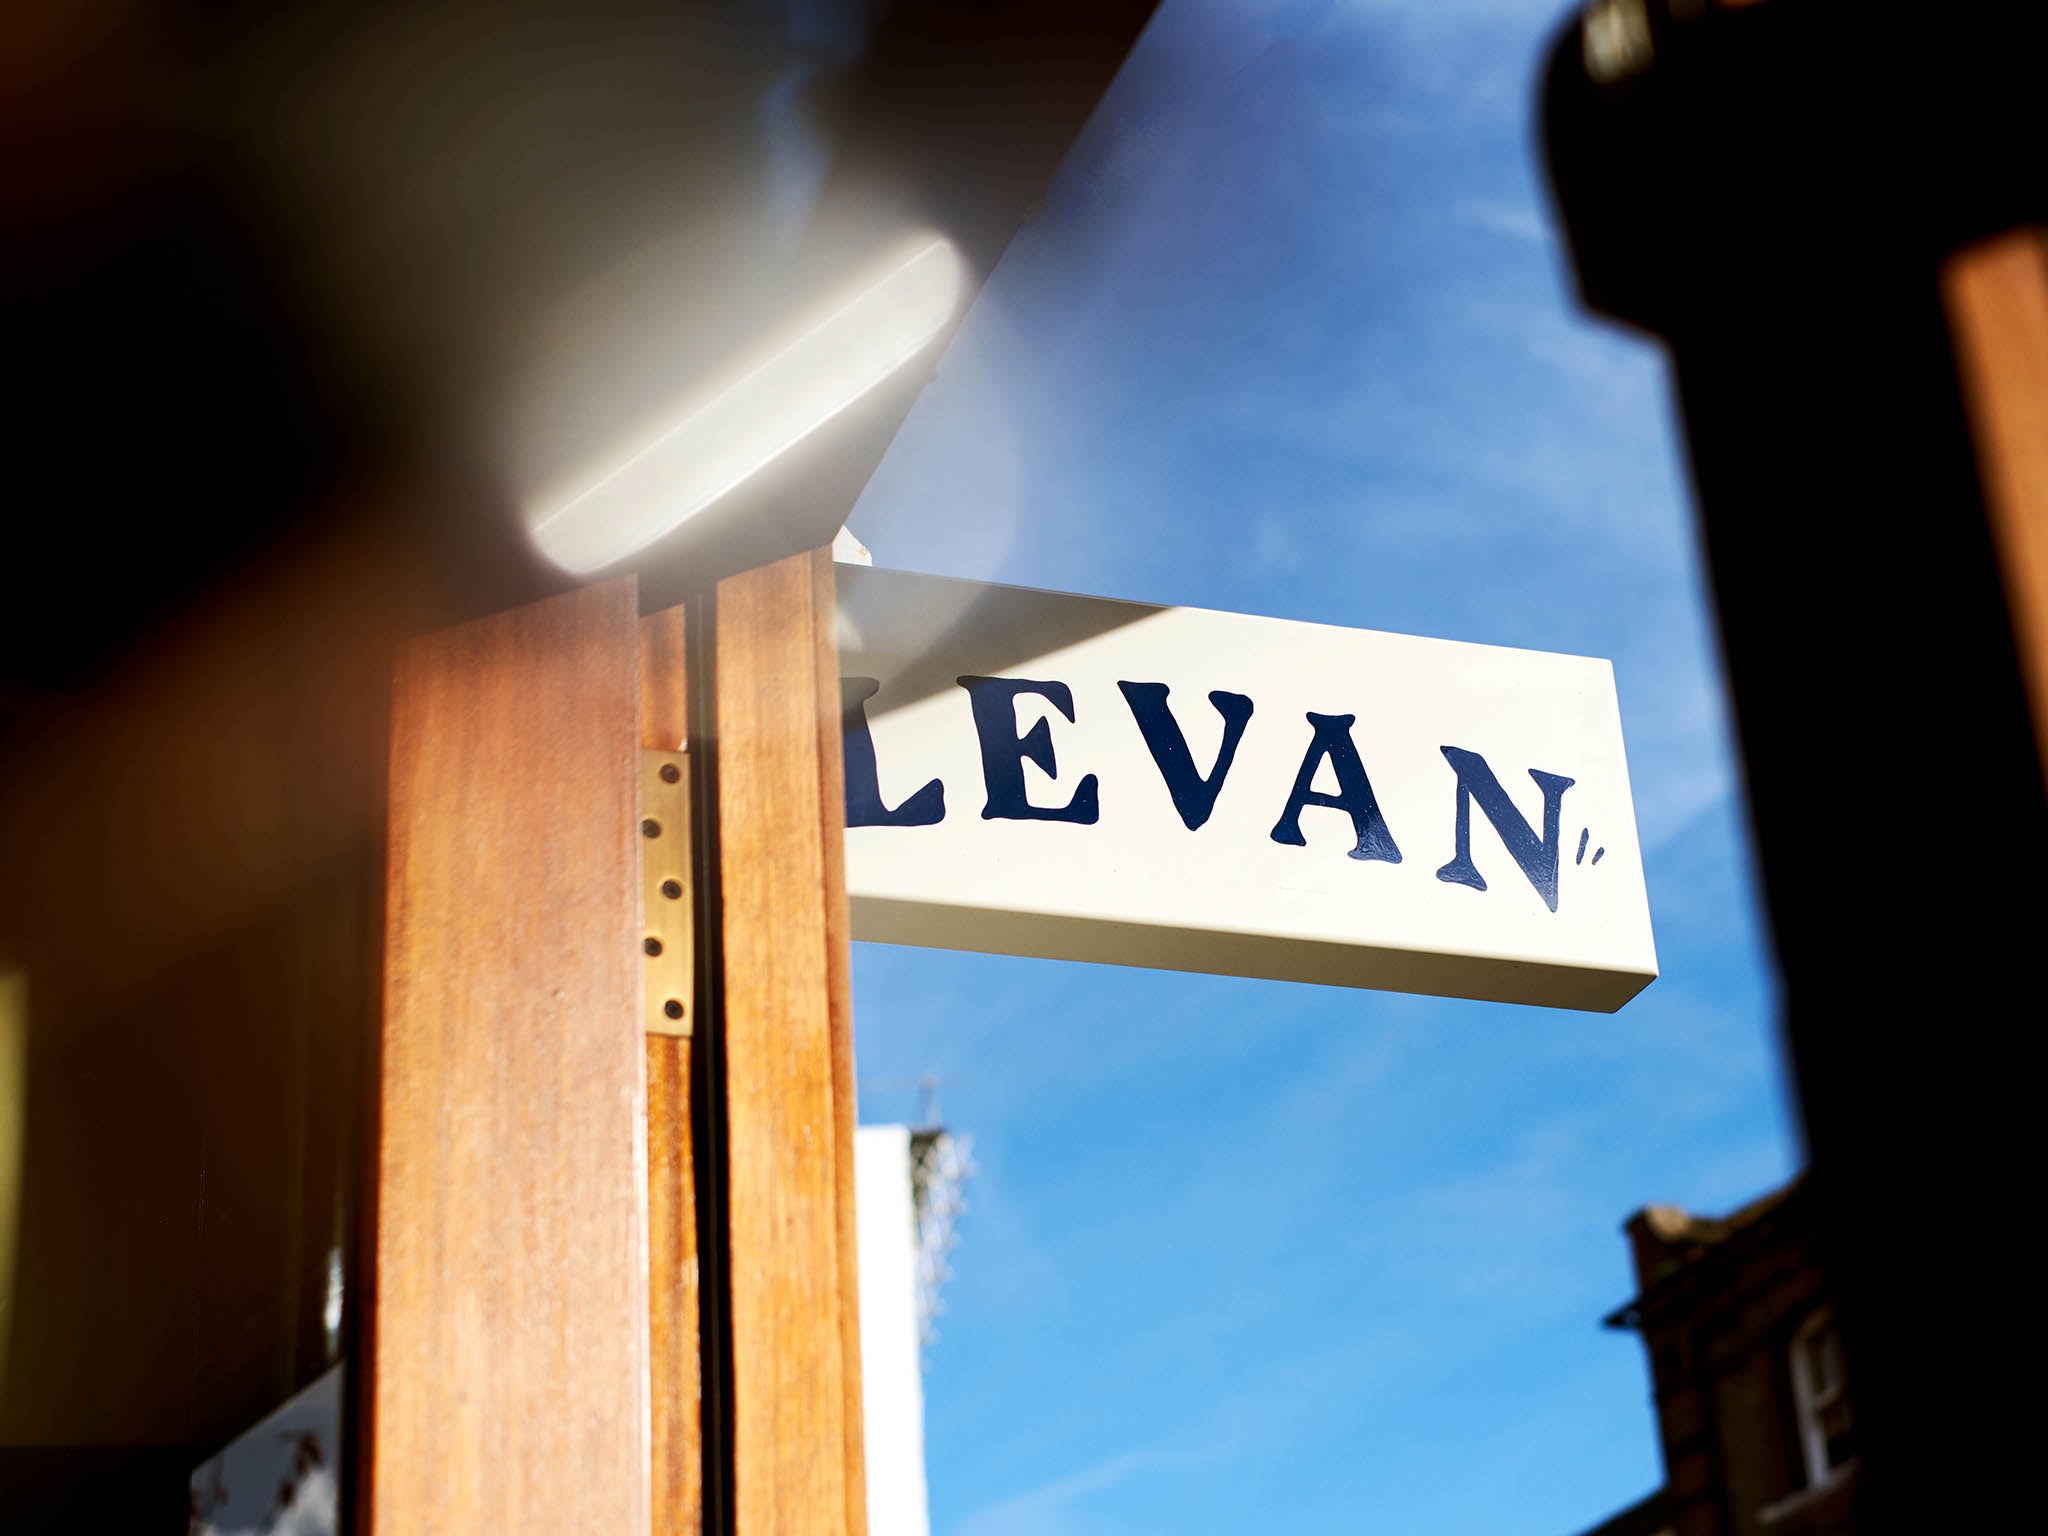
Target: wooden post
(678,1450)
(509,1351)
(798,1465)
(537,1154)
(1997,299)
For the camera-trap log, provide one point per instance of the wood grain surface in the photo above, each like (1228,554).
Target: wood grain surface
(510,1346)
(839,959)
(797,1425)
(664,682)
(678,1450)
(1997,299)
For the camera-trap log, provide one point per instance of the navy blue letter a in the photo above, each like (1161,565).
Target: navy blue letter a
(1332,739)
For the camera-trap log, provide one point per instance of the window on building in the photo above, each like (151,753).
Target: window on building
(1827,1428)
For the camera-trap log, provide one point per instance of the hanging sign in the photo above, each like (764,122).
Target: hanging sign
(1041,774)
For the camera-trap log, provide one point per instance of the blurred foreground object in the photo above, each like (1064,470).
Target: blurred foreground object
(307,304)
(1830,215)
(740,425)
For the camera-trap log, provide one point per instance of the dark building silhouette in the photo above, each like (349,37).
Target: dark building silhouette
(1747,1374)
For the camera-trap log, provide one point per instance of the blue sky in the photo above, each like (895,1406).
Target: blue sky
(1292,336)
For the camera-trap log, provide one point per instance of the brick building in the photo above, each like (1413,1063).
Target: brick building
(1746,1372)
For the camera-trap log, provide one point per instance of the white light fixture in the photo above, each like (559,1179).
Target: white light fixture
(738,428)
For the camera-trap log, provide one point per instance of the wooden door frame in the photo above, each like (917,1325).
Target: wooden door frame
(552,1179)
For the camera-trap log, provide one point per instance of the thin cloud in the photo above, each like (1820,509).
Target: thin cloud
(1516,220)
(1041,1511)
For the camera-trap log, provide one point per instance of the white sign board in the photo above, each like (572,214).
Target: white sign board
(1041,774)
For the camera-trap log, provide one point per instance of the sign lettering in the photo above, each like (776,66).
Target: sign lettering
(1045,774)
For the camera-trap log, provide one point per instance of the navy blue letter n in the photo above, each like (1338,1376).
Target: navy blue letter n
(1537,858)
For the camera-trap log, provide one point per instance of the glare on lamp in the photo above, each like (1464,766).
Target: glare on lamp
(735,429)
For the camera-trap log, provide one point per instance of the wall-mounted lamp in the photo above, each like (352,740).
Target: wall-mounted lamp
(764,406)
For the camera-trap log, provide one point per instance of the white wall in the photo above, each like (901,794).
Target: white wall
(892,1384)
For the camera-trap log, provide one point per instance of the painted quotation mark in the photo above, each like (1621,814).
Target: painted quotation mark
(1584,834)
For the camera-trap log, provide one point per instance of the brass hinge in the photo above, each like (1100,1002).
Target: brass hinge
(666,939)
